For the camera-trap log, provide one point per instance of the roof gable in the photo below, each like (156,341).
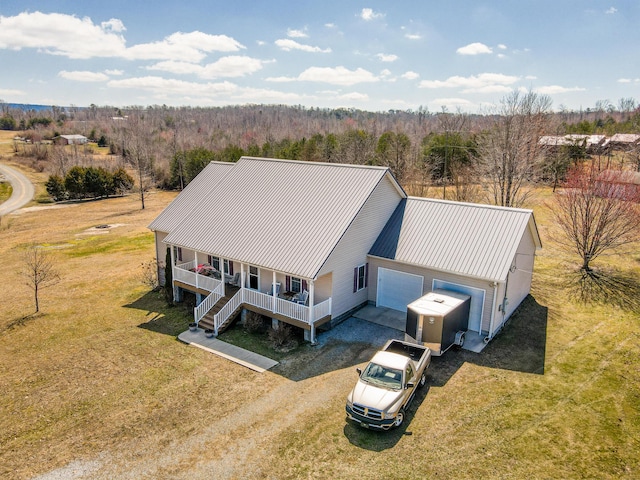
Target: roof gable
(469,239)
(279,214)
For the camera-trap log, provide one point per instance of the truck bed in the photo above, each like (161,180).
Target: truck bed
(414,352)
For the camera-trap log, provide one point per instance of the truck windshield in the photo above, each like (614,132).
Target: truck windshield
(382,376)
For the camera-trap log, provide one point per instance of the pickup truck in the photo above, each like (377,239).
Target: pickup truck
(388,384)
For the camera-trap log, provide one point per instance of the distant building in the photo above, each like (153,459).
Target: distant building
(70,140)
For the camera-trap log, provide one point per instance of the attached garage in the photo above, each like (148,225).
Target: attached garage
(477,300)
(397,289)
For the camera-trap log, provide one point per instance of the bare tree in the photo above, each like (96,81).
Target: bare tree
(38,270)
(137,151)
(393,151)
(596,213)
(509,150)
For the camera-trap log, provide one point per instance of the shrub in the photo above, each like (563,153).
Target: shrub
(253,322)
(282,338)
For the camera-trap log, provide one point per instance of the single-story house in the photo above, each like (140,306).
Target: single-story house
(71,140)
(309,243)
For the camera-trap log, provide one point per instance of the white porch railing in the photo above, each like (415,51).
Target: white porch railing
(266,302)
(208,303)
(183,273)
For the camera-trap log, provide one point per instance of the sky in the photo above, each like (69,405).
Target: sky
(462,55)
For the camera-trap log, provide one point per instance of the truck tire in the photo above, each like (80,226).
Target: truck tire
(423,380)
(399,418)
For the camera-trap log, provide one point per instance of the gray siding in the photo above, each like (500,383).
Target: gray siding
(351,251)
(429,275)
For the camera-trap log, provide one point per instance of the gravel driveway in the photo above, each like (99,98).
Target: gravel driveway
(240,444)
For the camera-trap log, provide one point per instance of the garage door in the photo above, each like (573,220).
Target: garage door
(477,301)
(397,289)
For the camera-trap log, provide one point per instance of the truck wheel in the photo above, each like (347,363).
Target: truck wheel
(399,418)
(423,380)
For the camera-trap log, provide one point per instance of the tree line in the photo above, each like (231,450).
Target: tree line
(89,182)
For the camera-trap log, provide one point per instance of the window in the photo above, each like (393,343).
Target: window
(296,285)
(253,278)
(360,277)
(177,254)
(214,262)
(227,267)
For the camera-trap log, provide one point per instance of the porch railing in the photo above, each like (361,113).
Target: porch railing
(208,303)
(266,302)
(183,273)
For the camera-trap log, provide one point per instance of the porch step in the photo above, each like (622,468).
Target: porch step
(208,319)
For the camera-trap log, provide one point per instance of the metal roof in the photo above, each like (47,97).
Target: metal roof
(463,238)
(202,184)
(281,215)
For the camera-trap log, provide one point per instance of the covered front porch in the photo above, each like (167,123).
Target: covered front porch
(222,289)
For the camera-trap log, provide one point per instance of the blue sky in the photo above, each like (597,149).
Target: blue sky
(375,55)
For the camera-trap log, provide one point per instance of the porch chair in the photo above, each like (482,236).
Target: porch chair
(270,291)
(302,298)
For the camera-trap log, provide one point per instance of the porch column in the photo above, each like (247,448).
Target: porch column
(273,292)
(242,280)
(312,330)
(196,269)
(224,288)
(176,292)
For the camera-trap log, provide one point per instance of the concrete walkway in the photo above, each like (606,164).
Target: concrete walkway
(238,355)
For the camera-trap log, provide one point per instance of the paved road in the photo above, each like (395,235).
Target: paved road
(22,190)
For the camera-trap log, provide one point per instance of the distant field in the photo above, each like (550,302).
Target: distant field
(98,383)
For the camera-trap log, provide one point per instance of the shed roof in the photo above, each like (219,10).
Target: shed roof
(463,238)
(202,184)
(279,214)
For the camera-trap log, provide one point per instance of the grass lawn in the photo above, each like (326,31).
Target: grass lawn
(98,376)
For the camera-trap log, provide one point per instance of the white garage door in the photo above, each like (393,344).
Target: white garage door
(477,301)
(397,289)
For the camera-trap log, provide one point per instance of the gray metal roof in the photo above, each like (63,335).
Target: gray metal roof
(279,214)
(469,239)
(202,184)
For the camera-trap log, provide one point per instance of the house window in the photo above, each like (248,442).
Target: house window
(177,254)
(253,278)
(360,277)
(227,267)
(296,284)
(214,262)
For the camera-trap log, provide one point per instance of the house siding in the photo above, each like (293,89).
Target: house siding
(351,251)
(519,283)
(429,275)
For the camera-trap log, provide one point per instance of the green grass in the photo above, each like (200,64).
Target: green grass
(258,342)
(5,191)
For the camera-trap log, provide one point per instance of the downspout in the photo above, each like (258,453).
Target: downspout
(493,313)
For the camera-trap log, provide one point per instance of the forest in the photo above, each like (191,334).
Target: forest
(495,157)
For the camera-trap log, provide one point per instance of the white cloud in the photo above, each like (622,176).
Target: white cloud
(554,89)
(189,47)
(83,76)
(367,14)
(230,66)
(611,10)
(296,33)
(413,36)
(387,57)
(531,77)
(474,49)
(174,87)
(70,36)
(7,92)
(60,34)
(288,45)
(629,80)
(114,72)
(502,46)
(360,97)
(410,75)
(113,25)
(453,102)
(334,76)
(483,83)
(330,25)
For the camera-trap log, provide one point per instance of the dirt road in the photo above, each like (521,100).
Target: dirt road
(23,190)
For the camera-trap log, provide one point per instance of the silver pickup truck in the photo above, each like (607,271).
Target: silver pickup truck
(387,385)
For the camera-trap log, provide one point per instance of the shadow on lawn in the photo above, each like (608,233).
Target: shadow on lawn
(162,318)
(604,286)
